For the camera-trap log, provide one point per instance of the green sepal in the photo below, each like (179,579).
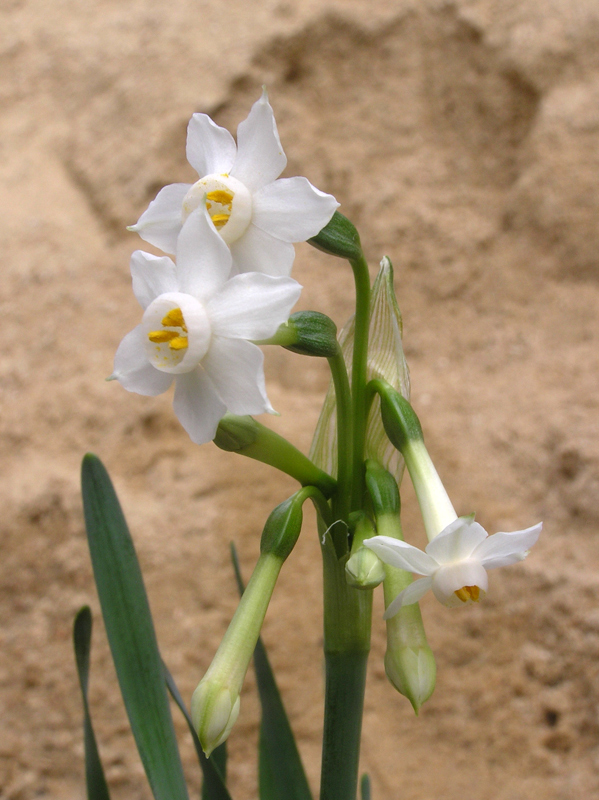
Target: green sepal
(214,769)
(281,773)
(382,489)
(130,632)
(338,238)
(247,437)
(315,334)
(95,780)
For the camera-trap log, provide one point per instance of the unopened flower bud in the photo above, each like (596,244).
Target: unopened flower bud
(338,238)
(314,334)
(362,571)
(412,670)
(214,711)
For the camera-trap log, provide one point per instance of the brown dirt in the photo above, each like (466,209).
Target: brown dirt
(463,139)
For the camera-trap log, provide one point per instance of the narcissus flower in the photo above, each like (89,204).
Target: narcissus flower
(258,216)
(455,562)
(195,330)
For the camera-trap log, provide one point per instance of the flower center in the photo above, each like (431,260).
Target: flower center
(228,201)
(177,332)
(468,593)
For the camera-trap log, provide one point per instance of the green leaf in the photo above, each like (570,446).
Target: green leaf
(365,787)
(214,768)
(131,632)
(281,773)
(97,788)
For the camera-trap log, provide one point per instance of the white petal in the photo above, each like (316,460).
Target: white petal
(257,251)
(210,148)
(411,594)
(235,368)
(252,306)
(503,549)
(152,276)
(260,157)
(203,259)
(292,209)
(198,406)
(133,370)
(161,221)
(453,577)
(457,541)
(402,555)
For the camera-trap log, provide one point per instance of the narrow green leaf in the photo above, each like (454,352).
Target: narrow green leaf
(214,768)
(97,788)
(281,773)
(365,787)
(131,632)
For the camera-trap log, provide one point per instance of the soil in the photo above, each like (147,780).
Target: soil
(462,138)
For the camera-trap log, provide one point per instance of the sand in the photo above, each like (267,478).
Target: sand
(462,138)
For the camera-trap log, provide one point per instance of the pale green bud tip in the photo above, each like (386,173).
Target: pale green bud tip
(214,711)
(364,570)
(413,671)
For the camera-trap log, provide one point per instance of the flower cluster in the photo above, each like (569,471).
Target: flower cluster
(232,233)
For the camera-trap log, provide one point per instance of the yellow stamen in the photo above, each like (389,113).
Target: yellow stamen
(174,319)
(178,343)
(220,196)
(468,593)
(220,219)
(158,337)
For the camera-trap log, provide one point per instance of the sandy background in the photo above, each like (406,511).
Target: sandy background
(463,140)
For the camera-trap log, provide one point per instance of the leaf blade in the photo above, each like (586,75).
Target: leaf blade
(95,780)
(130,632)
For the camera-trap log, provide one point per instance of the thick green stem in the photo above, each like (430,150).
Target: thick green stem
(341,501)
(359,364)
(347,615)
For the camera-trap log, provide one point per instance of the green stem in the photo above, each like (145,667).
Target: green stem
(347,615)
(359,364)
(341,502)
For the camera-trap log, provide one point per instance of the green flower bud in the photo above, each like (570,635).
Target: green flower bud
(363,571)
(215,702)
(338,238)
(283,527)
(246,436)
(315,334)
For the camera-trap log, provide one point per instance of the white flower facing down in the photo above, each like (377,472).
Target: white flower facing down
(195,330)
(258,216)
(455,562)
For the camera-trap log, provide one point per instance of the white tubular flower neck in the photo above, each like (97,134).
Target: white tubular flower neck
(228,201)
(460,583)
(177,332)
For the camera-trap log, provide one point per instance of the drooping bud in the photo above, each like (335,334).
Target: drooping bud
(315,334)
(215,702)
(362,571)
(386,360)
(338,238)
(246,436)
(409,661)
(405,432)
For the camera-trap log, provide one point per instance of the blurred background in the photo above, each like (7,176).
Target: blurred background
(462,138)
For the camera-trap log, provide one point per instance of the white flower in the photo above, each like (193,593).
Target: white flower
(195,328)
(454,562)
(258,216)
